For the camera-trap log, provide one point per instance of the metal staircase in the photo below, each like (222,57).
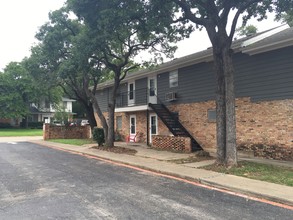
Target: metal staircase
(173,124)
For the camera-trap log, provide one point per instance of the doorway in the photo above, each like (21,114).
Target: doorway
(153,123)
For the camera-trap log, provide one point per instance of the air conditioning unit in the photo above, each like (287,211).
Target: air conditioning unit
(170,96)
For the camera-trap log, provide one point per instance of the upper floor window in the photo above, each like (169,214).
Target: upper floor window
(64,104)
(173,79)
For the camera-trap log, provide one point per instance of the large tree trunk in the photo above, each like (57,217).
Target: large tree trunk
(225,104)
(90,114)
(231,146)
(111,114)
(220,109)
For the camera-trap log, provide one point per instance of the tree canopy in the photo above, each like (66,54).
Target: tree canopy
(19,88)
(119,30)
(286,17)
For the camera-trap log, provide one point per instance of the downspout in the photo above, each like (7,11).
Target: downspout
(147,115)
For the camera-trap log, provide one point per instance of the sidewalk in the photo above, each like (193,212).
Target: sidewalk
(157,161)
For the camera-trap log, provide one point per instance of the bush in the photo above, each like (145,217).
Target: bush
(5,125)
(98,136)
(37,125)
(30,124)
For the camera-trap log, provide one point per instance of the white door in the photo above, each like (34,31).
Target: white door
(132,123)
(153,123)
(152,90)
(131,95)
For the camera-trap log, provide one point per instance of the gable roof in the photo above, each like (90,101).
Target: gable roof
(271,39)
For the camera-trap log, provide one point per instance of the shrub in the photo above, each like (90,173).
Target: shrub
(37,125)
(98,136)
(5,125)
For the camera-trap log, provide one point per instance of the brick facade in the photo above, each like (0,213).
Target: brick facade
(260,125)
(180,144)
(66,132)
(141,124)
(264,128)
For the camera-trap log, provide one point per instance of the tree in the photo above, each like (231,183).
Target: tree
(118,31)
(19,89)
(213,16)
(65,48)
(246,30)
(14,89)
(286,17)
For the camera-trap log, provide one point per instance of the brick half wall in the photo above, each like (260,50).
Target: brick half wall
(66,132)
(171,143)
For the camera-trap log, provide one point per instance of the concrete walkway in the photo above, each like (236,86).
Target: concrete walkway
(157,161)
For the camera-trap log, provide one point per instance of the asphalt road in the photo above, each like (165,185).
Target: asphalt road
(37,182)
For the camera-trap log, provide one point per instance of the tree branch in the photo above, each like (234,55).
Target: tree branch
(238,13)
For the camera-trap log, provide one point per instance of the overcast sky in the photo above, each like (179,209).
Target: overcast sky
(20,20)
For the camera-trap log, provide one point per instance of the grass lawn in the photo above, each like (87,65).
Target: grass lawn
(78,142)
(14,132)
(264,172)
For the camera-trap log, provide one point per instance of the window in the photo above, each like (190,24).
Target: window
(131,91)
(173,79)
(212,115)
(152,87)
(153,121)
(119,123)
(65,104)
(132,124)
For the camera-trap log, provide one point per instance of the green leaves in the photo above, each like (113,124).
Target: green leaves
(16,89)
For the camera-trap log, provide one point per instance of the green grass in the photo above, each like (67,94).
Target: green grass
(264,172)
(14,132)
(78,142)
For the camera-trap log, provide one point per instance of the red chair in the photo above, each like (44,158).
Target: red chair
(131,138)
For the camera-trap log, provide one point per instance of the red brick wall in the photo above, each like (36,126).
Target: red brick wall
(66,132)
(141,124)
(181,144)
(268,123)
(194,118)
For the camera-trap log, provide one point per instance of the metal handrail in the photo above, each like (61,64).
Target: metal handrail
(140,97)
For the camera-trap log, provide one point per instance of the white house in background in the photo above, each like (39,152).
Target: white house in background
(45,111)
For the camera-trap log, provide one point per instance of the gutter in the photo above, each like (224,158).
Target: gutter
(266,47)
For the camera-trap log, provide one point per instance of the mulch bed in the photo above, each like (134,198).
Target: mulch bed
(117,150)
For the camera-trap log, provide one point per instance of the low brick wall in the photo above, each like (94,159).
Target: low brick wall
(66,132)
(172,143)
(268,151)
